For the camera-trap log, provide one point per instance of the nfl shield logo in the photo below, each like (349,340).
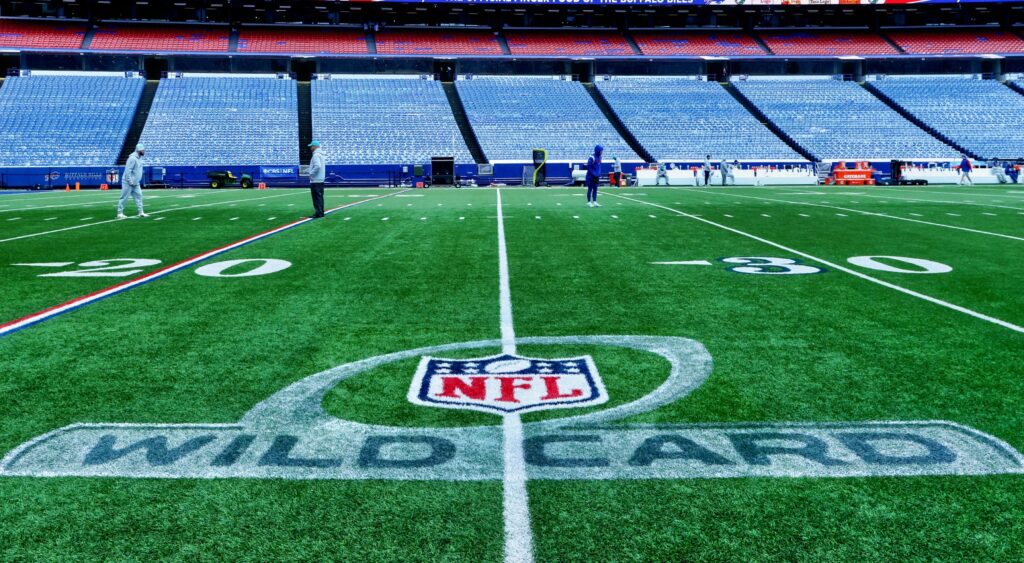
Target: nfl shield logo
(507,383)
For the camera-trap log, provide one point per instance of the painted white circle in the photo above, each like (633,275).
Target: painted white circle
(267,266)
(507,366)
(927,266)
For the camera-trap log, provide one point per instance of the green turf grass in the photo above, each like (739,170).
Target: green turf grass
(809,348)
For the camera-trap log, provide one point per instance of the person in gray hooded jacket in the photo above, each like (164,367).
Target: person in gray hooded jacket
(131,182)
(317,175)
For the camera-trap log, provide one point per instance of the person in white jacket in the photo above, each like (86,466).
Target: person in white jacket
(131,182)
(317,175)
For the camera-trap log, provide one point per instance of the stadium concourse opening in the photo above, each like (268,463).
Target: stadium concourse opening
(320,280)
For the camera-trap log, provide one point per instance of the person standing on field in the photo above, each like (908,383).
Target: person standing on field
(594,176)
(131,182)
(965,170)
(707,169)
(317,174)
(726,170)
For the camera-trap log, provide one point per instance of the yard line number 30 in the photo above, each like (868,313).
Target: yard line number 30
(773,266)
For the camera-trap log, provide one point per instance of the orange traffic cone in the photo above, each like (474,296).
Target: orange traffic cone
(77,186)
(104,187)
(67,187)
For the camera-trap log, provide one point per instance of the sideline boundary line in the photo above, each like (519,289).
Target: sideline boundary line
(169,209)
(515,498)
(911,191)
(99,199)
(870,213)
(833,265)
(22,323)
(947,202)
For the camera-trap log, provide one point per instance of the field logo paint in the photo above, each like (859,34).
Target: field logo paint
(507,383)
(290,435)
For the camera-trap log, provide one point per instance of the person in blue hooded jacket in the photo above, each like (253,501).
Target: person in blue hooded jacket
(594,176)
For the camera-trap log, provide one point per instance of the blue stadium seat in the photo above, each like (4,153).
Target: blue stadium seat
(835,119)
(982,116)
(66,120)
(214,121)
(362,120)
(513,114)
(684,119)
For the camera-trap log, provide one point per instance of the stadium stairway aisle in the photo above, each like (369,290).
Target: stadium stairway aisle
(913,119)
(459,111)
(303,96)
(731,89)
(139,121)
(613,118)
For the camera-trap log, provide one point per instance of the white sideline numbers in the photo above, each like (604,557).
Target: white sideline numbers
(112,268)
(124,267)
(266,266)
(923,266)
(767,265)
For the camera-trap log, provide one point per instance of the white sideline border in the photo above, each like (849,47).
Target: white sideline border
(919,200)
(869,213)
(31,235)
(833,265)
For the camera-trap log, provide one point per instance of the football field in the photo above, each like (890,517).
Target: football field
(700,374)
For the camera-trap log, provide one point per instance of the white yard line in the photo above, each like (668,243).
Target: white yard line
(884,215)
(967,193)
(518,533)
(107,201)
(918,200)
(930,299)
(153,213)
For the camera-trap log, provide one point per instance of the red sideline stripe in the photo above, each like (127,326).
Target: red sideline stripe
(28,320)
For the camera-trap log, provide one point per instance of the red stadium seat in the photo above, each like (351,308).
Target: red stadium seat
(589,43)
(437,42)
(162,38)
(952,41)
(696,43)
(41,34)
(826,42)
(302,40)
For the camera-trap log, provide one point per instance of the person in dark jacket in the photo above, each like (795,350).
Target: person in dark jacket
(965,170)
(594,176)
